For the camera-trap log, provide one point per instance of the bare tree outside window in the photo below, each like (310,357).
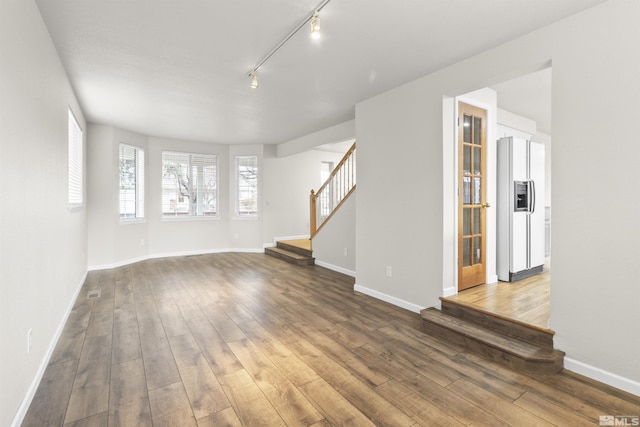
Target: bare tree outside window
(247,185)
(131,182)
(189,184)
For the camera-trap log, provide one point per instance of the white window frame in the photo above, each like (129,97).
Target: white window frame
(187,213)
(138,184)
(242,187)
(75,163)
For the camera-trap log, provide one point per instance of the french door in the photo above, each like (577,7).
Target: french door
(472,135)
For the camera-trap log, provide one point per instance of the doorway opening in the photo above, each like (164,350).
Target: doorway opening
(521,108)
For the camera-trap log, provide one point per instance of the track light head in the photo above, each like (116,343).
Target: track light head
(315,26)
(313,18)
(254,79)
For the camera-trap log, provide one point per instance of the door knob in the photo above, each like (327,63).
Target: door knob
(486,205)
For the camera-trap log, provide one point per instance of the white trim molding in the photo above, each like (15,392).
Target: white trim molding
(603,376)
(336,268)
(35,383)
(447,292)
(172,254)
(388,298)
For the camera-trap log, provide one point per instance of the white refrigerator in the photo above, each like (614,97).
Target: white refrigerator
(520,209)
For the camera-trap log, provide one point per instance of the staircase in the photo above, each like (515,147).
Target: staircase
(323,204)
(335,190)
(294,251)
(506,341)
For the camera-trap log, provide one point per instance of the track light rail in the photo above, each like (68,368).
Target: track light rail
(314,13)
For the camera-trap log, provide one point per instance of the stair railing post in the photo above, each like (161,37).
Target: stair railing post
(312,218)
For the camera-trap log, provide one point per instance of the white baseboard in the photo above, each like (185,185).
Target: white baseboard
(35,383)
(117,264)
(388,298)
(447,292)
(171,254)
(242,250)
(603,376)
(336,268)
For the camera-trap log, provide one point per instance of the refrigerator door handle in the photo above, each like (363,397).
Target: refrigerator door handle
(532,195)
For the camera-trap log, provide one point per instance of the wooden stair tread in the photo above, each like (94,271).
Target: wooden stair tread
(288,253)
(297,246)
(496,315)
(299,257)
(496,340)
(297,243)
(514,328)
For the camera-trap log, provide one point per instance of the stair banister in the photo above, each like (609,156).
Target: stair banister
(333,192)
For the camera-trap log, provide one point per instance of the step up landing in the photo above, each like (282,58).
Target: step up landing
(294,251)
(509,342)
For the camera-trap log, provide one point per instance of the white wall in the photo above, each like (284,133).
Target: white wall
(594,289)
(339,133)
(246,233)
(43,245)
(285,183)
(334,246)
(400,213)
(198,235)
(112,242)
(288,184)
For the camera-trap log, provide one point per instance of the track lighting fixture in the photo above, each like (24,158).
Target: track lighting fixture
(254,79)
(313,17)
(315,26)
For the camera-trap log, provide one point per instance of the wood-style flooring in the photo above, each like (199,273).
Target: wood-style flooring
(250,340)
(526,300)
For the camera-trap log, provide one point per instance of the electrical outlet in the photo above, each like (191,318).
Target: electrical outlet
(236,236)
(345,251)
(29,340)
(141,242)
(389,271)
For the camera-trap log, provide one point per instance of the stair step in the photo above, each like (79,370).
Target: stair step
(290,256)
(295,246)
(497,323)
(515,353)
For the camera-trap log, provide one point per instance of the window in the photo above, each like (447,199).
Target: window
(75,162)
(246,185)
(189,185)
(131,182)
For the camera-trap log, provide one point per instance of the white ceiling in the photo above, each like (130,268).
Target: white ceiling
(178,68)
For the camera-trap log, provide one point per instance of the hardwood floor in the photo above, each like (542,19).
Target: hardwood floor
(526,300)
(248,339)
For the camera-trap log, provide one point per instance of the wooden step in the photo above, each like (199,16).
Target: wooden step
(498,323)
(503,349)
(290,256)
(301,246)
